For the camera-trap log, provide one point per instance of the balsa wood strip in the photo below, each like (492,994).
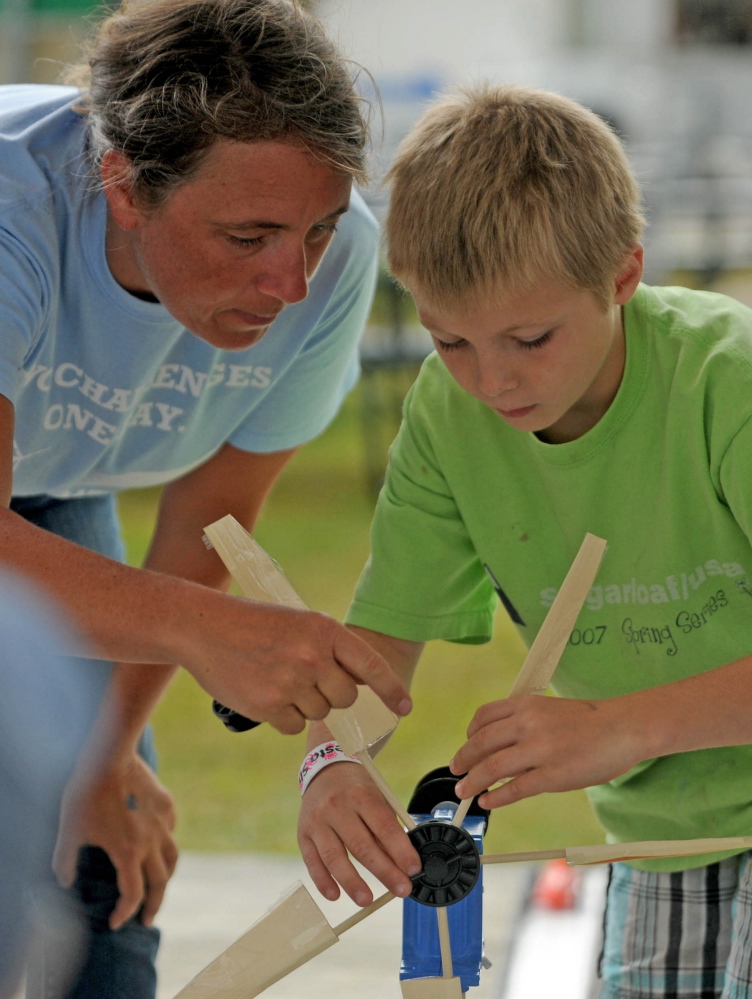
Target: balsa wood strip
(608,853)
(549,644)
(445,943)
(360,915)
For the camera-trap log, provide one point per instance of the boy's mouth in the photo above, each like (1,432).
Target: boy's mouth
(516,414)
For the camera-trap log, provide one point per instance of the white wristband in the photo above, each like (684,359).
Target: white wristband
(320,757)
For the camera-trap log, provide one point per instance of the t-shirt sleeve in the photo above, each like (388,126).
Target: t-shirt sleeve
(310,392)
(736,477)
(423,579)
(23,302)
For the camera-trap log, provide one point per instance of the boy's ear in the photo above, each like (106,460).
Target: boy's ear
(629,275)
(118,189)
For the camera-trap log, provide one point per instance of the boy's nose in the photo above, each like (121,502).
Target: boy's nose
(493,379)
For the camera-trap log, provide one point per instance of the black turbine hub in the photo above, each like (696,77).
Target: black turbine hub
(451,863)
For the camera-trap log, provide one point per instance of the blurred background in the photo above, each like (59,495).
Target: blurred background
(674,77)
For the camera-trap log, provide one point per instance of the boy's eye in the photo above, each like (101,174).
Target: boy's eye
(454,345)
(539,342)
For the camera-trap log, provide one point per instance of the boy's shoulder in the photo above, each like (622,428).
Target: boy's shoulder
(683,316)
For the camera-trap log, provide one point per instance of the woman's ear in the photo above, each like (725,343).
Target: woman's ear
(630,274)
(118,188)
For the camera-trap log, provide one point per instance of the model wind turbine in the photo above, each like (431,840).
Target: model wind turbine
(295,930)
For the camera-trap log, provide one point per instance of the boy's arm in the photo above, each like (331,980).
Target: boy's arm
(115,802)
(560,744)
(343,811)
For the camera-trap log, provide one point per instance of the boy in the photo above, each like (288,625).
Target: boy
(566,397)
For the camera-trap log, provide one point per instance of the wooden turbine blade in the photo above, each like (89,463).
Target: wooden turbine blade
(549,644)
(257,574)
(290,934)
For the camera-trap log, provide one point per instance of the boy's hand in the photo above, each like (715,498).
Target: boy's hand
(546,744)
(343,810)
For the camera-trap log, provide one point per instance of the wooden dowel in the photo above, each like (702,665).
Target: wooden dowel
(516,858)
(549,644)
(606,853)
(459,816)
(359,916)
(388,793)
(445,943)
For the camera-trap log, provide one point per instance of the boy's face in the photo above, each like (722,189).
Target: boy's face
(548,361)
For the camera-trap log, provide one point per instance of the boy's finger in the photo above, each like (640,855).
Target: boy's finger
(365,664)
(334,858)
(497,767)
(317,870)
(389,833)
(492,738)
(488,713)
(515,789)
(372,855)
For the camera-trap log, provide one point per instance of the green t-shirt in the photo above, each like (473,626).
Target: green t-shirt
(665,477)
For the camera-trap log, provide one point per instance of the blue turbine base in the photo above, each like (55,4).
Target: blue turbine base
(421,953)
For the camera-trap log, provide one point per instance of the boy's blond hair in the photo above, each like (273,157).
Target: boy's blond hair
(497,189)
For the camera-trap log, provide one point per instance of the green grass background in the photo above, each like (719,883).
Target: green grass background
(239,791)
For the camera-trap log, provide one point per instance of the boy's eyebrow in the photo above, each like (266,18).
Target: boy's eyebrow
(430,325)
(265,224)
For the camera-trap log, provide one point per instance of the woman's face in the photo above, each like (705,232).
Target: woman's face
(233,245)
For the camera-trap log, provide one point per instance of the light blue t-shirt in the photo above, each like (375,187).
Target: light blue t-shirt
(110,391)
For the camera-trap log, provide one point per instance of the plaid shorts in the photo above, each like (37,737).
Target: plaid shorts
(684,935)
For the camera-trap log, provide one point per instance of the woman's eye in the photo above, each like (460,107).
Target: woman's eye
(245,240)
(539,342)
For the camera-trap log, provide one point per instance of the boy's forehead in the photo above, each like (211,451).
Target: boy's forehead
(509,311)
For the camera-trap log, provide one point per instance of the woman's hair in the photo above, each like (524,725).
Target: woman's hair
(499,188)
(164,79)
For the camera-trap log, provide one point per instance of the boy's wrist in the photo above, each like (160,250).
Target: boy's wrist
(318,758)
(648,722)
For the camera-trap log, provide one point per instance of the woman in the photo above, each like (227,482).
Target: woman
(176,309)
